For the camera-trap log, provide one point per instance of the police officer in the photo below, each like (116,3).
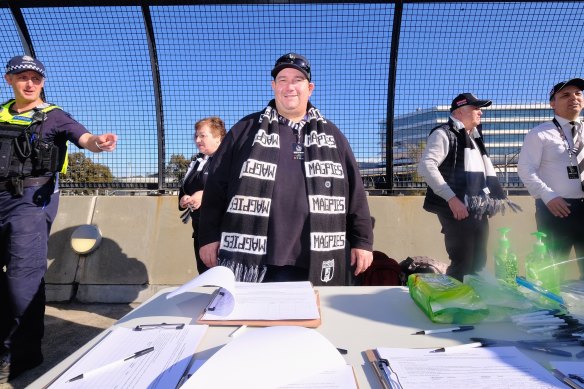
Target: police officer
(33,150)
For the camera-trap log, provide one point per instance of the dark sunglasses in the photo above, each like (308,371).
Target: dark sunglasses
(292,59)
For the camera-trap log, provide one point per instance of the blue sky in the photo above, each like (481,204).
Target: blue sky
(216,60)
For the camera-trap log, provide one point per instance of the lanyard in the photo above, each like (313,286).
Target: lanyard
(571,151)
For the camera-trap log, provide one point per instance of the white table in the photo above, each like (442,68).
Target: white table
(353,318)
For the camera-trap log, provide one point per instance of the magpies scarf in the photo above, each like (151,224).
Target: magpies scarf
(245,233)
(484,194)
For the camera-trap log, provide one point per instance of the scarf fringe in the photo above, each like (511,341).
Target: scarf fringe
(244,273)
(486,205)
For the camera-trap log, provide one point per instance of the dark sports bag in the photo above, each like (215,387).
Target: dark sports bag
(420,264)
(384,271)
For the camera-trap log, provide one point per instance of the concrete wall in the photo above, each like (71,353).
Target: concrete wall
(145,247)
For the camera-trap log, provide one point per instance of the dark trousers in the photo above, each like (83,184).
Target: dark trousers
(466,244)
(25,223)
(563,233)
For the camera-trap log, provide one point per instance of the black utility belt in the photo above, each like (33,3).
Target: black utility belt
(27,182)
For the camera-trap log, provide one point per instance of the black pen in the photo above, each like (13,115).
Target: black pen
(119,362)
(566,380)
(438,330)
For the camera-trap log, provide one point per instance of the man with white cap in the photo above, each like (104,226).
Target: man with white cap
(462,186)
(33,150)
(551,166)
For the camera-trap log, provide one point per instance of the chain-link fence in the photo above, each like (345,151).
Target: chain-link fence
(148,71)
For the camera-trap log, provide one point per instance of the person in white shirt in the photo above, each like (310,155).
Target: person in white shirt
(548,167)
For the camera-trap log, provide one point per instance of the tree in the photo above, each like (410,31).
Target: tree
(177,168)
(82,169)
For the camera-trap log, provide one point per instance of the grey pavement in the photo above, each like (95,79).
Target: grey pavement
(68,326)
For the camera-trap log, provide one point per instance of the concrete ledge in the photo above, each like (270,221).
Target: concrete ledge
(145,247)
(59,293)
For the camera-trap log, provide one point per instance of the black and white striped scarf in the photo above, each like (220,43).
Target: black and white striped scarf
(244,237)
(484,194)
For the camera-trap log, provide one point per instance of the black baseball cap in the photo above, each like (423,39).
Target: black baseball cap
(22,63)
(292,60)
(468,99)
(578,82)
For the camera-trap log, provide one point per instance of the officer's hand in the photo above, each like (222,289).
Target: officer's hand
(209,253)
(106,142)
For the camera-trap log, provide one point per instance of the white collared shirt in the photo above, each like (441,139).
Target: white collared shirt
(543,162)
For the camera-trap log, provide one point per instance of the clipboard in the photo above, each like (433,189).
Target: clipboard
(309,323)
(379,366)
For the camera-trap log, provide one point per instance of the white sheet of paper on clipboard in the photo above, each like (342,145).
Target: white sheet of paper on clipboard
(256,302)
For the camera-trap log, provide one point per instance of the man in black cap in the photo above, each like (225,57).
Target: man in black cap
(33,140)
(551,166)
(284,200)
(462,185)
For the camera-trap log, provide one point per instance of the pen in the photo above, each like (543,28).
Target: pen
(544,292)
(535,313)
(438,330)
(547,350)
(119,362)
(459,347)
(566,380)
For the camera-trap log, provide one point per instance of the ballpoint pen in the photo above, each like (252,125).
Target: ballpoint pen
(566,379)
(110,365)
(439,330)
(460,347)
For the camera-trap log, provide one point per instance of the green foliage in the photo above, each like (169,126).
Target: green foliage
(177,168)
(83,169)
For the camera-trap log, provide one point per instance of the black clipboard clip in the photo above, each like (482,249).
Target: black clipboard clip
(215,301)
(170,326)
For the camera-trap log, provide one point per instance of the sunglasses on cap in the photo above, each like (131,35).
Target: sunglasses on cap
(292,60)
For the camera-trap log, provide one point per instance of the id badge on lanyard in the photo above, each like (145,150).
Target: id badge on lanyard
(571,169)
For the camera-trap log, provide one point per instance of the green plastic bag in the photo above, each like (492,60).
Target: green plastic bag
(445,299)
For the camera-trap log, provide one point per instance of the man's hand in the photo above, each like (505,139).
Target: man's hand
(558,207)
(458,208)
(361,259)
(209,253)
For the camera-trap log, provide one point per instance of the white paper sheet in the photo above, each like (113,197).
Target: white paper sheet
(161,368)
(268,358)
(267,301)
(215,276)
(341,378)
(476,368)
(254,301)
